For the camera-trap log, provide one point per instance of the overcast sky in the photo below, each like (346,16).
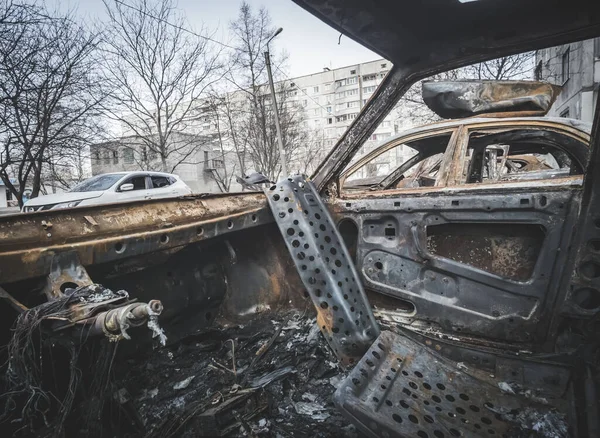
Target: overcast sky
(310,43)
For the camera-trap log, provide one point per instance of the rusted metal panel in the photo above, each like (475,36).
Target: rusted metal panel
(464,295)
(510,251)
(325,267)
(29,242)
(466,98)
(566,183)
(402,388)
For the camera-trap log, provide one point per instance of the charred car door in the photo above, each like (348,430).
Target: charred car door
(468,233)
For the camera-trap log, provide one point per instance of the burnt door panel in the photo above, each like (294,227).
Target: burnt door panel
(476,262)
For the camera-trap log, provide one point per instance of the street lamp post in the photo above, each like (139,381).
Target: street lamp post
(275,107)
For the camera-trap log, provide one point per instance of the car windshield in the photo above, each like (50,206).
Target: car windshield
(100,182)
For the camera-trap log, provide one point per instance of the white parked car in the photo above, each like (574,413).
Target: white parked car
(110,188)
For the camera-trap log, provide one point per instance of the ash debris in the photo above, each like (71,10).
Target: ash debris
(268,378)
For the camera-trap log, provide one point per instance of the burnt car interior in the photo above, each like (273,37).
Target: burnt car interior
(419,170)
(436,309)
(523,154)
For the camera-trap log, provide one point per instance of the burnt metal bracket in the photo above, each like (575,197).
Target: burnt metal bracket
(401,388)
(344,314)
(66,272)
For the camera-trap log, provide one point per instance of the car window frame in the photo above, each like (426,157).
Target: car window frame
(129,178)
(458,176)
(167,177)
(394,142)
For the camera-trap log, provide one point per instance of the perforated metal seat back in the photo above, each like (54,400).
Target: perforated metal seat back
(325,267)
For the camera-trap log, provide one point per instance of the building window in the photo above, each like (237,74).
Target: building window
(206,160)
(327,87)
(342,118)
(128,156)
(316,112)
(384,65)
(352,92)
(369,77)
(565,65)
(340,83)
(304,102)
(329,120)
(328,109)
(352,72)
(144,154)
(538,71)
(385,124)
(340,95)
(352,116)
(218,164)
(351,81)
(566,113)
(115,157)
(369,89)
(106,157)
(97,156)
(315,89)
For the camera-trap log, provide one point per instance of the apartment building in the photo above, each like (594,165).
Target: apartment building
(333,98)
(575,67)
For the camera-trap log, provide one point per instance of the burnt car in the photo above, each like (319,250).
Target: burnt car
(474,151)
(455,292)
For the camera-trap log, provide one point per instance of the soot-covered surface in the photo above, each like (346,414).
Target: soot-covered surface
(282,385)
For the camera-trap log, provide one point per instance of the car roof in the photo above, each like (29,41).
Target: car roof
(138,172)
(583,127)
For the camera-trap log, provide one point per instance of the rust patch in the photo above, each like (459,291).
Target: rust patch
(510,251)
(325,321)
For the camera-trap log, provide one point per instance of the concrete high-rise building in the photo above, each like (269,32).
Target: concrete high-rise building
(333,98)
(575,67)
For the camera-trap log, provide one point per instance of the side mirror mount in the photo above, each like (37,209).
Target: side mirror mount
(126,187)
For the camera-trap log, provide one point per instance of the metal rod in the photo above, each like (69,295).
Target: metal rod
(275,107)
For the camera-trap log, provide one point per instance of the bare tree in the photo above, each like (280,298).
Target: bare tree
(250,33)
(310,152)
(219,109)
(514,67)
(48,94)
(158,71)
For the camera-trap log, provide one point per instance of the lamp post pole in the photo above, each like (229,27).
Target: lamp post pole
(275,107)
